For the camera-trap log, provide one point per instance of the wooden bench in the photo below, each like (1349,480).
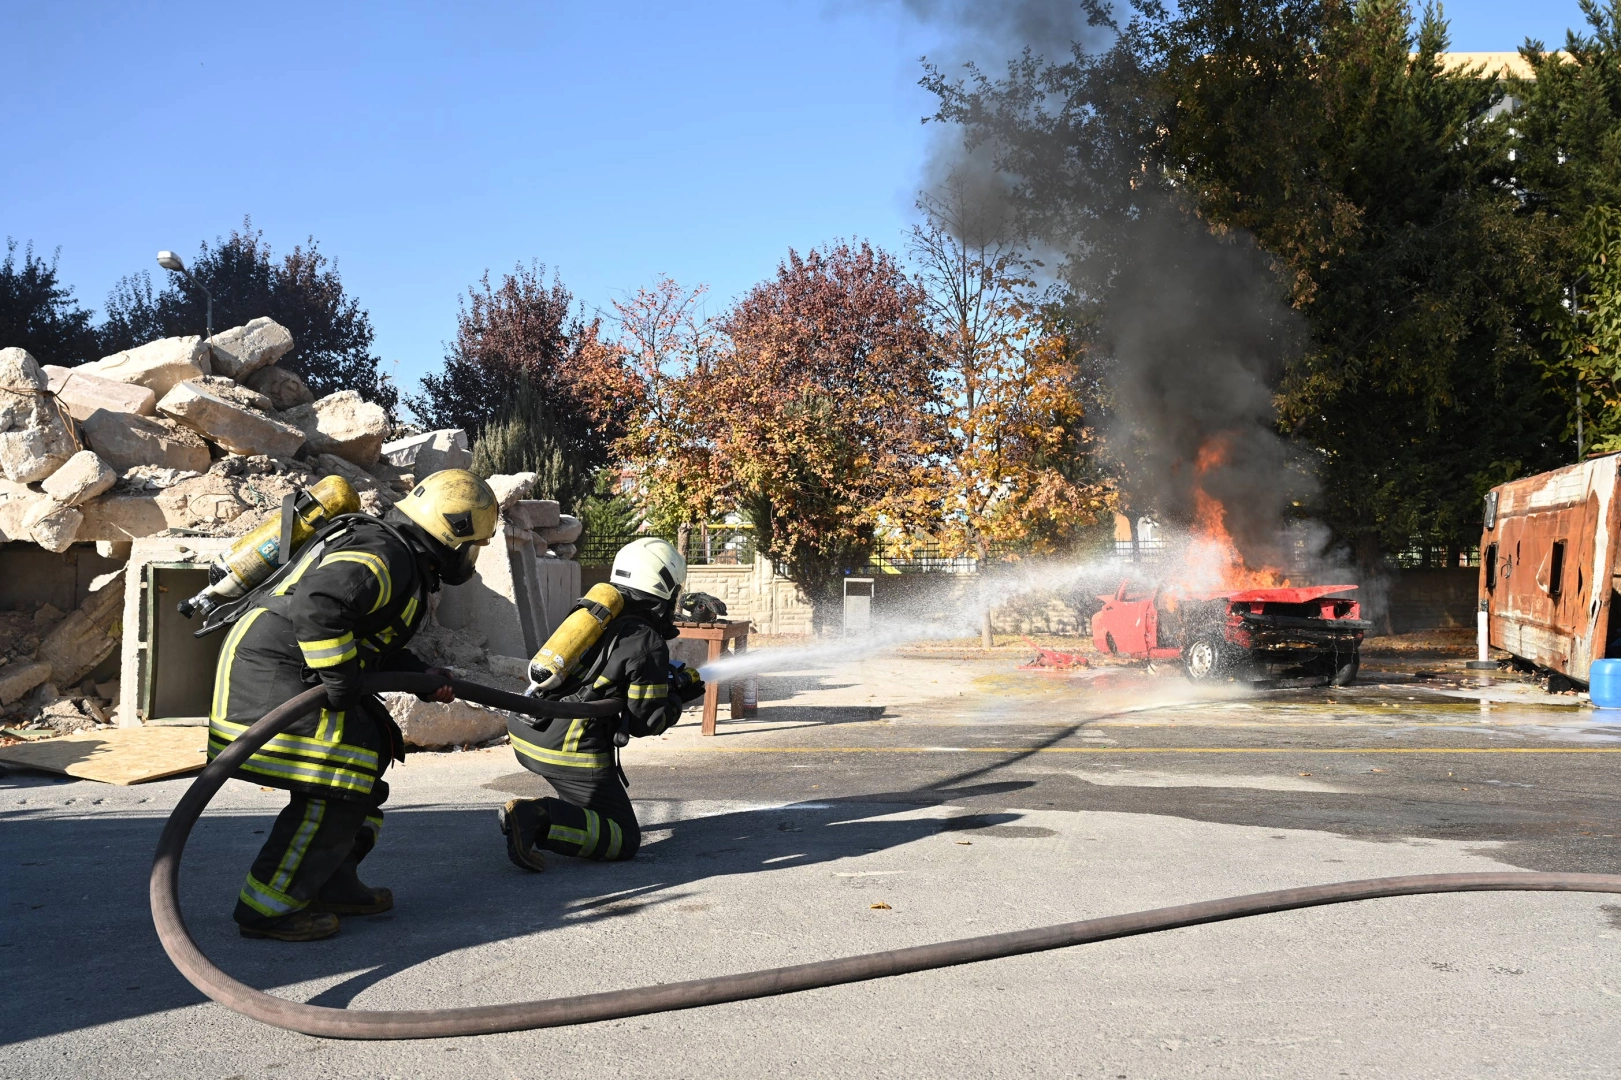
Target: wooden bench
(717,634)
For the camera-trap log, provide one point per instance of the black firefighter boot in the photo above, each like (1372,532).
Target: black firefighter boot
(306,925)
(521,821)
(345,894)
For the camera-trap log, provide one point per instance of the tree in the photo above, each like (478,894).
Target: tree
(522,372)
(668,350)
(38,312)
(820,413)
(1568,171)
(332,333)
(525,436)
(1009,403)
(1379,186)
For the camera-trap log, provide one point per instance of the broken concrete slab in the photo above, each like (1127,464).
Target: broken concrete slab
(157,365)
(234,392)
(53,526)
(208,502)
(87,636)
(430,725)
(239,429)
(35,439)
(17,680)
(562,551)
(243,350)
(344,424)
(83,393)
(566,531)
(509,488)
(16,502)
(81,479)
(124,441)
(534,514)
(284,388)
(428,453)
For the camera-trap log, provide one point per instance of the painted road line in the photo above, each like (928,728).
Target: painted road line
(1139,750)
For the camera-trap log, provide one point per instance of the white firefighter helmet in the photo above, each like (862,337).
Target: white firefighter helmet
(650,565)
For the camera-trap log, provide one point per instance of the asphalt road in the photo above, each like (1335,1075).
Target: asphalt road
(966,796)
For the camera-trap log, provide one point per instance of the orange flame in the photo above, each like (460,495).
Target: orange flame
(1210,528)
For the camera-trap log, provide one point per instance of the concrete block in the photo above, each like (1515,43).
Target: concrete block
(535,514)
(17,680)
(284,388)
(344,424)
(87,636)
(35,440)
(239,429)
(430,452)
(509,489)
(234,392)
(566,531)
(157,365)
(124,441)
(243,350)
(53,526)
(430,725)
(210,501)
(83,478)
(20,372)
(83,393)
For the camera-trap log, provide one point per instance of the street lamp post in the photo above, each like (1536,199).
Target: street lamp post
(171,262)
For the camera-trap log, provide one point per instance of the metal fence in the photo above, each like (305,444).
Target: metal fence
(724,545)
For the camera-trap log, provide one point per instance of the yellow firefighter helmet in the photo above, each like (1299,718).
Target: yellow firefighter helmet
(453,506)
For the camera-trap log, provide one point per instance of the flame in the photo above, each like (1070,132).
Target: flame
(1213,553)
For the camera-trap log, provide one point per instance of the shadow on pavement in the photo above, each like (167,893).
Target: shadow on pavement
(79,948)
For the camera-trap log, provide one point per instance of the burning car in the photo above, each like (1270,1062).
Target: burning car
(1293,632)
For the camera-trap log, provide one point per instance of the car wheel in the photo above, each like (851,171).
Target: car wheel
(1345,669)
(1203,658)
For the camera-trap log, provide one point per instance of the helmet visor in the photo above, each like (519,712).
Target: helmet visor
(458,569)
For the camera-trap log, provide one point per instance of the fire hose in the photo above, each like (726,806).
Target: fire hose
(340,1023)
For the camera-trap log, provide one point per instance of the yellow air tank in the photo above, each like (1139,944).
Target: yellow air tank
(257,555)
(584,625)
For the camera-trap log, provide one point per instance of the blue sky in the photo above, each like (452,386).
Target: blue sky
(423,144)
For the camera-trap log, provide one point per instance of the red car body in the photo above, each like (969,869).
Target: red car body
(1220,633)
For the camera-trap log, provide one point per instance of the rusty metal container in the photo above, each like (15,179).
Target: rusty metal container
(1548,570)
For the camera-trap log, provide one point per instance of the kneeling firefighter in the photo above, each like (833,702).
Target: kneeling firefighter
(593,817)
(346,604)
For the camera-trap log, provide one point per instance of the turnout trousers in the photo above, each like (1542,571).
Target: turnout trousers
(311,839)
(592,820)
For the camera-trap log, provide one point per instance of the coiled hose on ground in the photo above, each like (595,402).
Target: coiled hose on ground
(586,1008)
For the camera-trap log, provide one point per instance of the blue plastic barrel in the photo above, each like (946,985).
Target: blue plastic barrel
(1604,685)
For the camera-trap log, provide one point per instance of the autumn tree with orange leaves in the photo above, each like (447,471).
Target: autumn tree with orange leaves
(1010,407)
(819,417)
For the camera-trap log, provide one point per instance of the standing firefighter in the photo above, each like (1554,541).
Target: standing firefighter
(345,605)
(594,819)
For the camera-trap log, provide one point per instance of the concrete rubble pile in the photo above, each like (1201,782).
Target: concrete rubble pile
(192,438)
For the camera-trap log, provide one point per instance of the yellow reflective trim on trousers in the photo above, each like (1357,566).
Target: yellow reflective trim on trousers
(222,673)
(566,758)
(298,572)
(576,731)
(300,746)
(647,691)
(593,831)
(616,838)
(293,857)
(566,834)
(328,652)
(305,772)
(329,729)
(374,822)
(265,900)
(379,569)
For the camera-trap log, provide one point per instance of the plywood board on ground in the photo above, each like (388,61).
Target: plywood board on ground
(118,755)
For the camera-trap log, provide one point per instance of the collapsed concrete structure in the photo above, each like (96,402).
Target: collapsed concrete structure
(122,478)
